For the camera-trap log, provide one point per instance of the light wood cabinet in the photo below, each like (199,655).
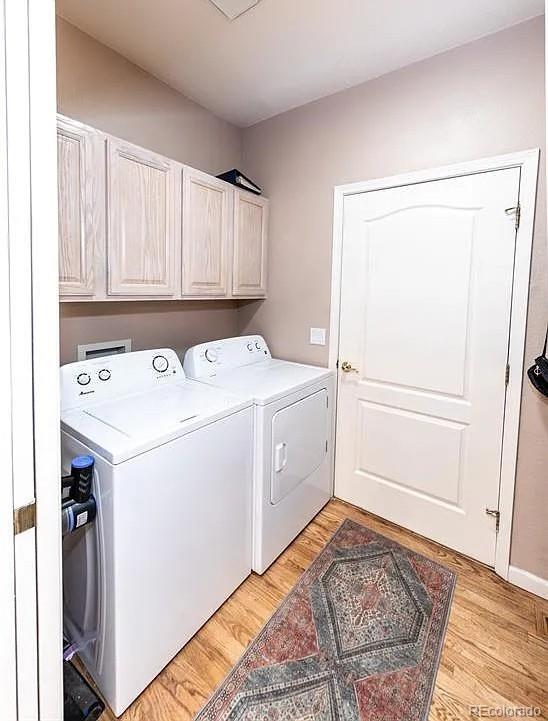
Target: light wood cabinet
(250,251)
(207,234)
(81,162)
(143,201)
(134,224)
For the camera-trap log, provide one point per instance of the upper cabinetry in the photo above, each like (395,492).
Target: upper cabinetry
(81,206)
(250,233)
(143,232)
(207,225)
(134,224)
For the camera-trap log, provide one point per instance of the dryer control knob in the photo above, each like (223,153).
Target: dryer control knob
(83,379)
(257,345)
(250,346)
(104,374)
(211,355)
(160,363)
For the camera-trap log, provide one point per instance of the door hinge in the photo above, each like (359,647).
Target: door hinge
(24,518)
(507,375)
(496,515)
(516,212)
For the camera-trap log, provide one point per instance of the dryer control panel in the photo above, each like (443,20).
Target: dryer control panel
(208,359)
(113,376)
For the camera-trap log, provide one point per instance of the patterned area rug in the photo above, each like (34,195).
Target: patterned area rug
(358,639)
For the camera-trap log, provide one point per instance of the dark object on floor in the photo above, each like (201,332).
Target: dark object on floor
(359,637)
(81,701)
(538,372)
(241,181)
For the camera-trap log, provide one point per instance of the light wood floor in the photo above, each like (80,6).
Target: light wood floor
(495,652)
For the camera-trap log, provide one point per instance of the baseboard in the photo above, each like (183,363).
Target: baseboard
(528,581)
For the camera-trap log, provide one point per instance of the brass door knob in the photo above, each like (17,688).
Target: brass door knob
(346,367)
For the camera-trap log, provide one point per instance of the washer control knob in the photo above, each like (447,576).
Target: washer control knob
(160,363)
(250,346)
(211,355)
(83,379)
(104,374)
(257,345)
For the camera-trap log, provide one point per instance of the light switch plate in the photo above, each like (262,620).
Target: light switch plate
(317,336)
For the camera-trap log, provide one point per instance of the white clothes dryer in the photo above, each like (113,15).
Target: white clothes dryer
(293,446)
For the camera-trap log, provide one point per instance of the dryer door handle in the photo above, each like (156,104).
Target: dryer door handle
(280,457)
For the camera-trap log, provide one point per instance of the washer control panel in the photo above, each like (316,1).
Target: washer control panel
(113,376)
(160,363)
(208,359)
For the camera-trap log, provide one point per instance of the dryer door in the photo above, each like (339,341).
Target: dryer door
(299,443)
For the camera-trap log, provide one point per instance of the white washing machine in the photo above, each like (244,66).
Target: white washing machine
(172,538)
(293,447)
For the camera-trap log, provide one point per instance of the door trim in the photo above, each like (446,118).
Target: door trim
(45,329)
(528,162)
(8,664)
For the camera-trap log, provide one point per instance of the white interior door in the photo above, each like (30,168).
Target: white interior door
(20,351)
(425,313)
(8,663)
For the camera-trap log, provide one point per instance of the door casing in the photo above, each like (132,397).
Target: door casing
(30,311)
(528,162)
(45,338)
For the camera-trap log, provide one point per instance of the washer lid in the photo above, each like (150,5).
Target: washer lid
(269,380)
(122,428)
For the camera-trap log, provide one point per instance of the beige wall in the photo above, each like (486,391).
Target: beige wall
(482,99)
(100,87)
(172,324)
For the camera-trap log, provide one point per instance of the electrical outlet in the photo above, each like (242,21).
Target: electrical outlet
(317,336)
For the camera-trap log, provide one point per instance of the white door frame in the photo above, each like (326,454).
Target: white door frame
(29,319)
(45,337)
(528,162)
(8,664)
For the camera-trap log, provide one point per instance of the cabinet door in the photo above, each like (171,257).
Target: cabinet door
(207,234)
(143,201)
(80,159)
(250,235)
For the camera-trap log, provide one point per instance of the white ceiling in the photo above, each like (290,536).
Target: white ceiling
(284,53)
